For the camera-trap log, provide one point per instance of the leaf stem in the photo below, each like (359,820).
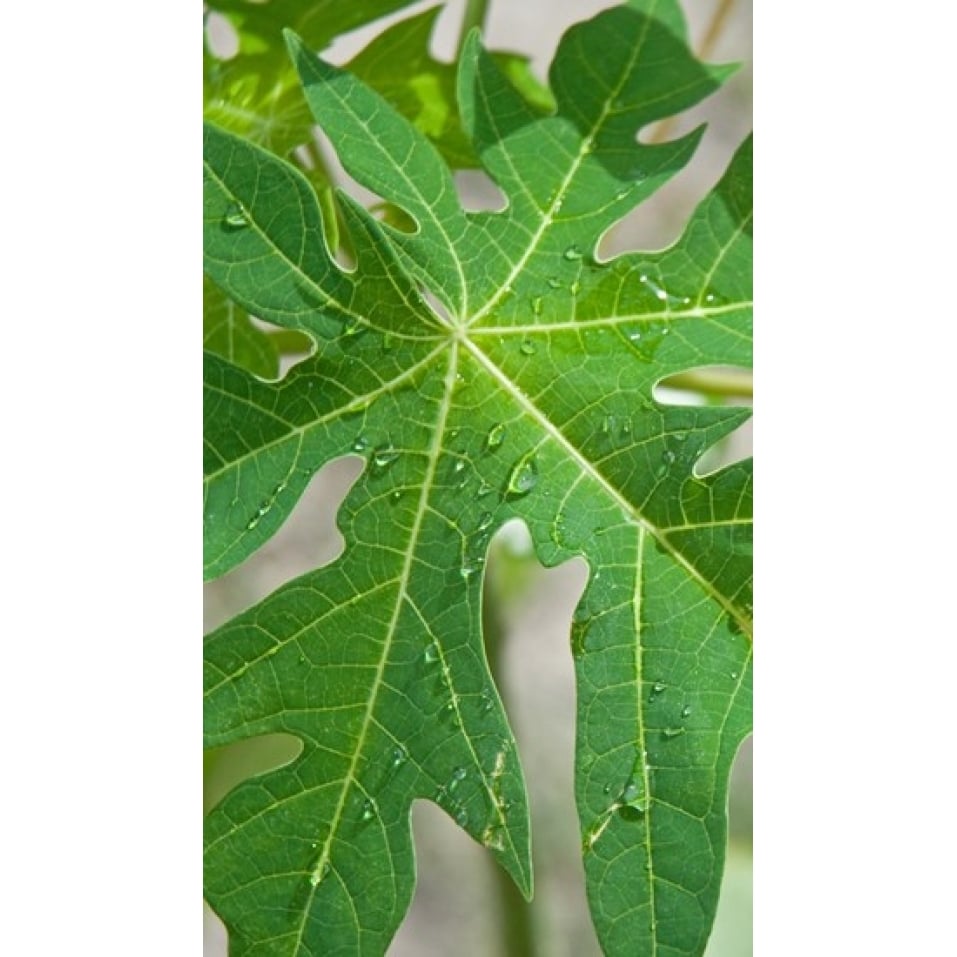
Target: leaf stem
(712,34)
(516,930)
(476,13)
(736,385)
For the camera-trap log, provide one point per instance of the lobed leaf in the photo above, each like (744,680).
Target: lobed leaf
(528,395)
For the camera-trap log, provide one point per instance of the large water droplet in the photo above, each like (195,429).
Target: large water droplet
(495,437)
(431,653)
(527,347)
(383,457)
(361,444)
(368,810)
(236,216)
(524,475)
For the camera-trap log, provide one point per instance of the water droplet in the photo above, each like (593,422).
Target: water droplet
(495,437)
(399,757)
(462,817)
(622,193)
(368,810)
(524,475)
(485,520)
(537,305)
(606,789)
(432,653)
(353,326)
(483,490)
(668,457)
(647,339)
(458,466)
(734,674)
(236,216)
(488,701)
(608,424)
(361,444)
(572,253)
(685,711)
(459,774)
(527,348)
(554,282)
(575,288)
(383,457)
(658,687)
(709,297)
(319,874)
(632,790)
(673,732)
(471,565)
(396,495)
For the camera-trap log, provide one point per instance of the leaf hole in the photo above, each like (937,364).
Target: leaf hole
(309,537)
(734,447)
(226,767)
(722,384)
(222,38)
(478,192)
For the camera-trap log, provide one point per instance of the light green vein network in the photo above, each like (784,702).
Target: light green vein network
(528,396)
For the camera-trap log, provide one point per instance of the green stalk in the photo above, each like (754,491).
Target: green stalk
(711,36)
(733,385)
(515,925)
(476,13)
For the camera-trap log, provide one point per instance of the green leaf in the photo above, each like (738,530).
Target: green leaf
(399,67)
(528,395)
(228,331)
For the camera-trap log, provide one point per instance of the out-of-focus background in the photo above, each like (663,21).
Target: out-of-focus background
(457,905)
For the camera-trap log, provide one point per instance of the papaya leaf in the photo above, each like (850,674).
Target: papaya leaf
(487,367)
(399,67)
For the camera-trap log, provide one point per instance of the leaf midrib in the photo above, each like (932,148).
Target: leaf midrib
(434,453)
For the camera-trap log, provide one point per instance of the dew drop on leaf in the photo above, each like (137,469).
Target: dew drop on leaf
(462,817)
(685,711)
(495,437)
(524,475)
(572,253)
(383,457)
(368,810)
(431,653)
(236,216)
(360,444)
(672,732)
(527,348)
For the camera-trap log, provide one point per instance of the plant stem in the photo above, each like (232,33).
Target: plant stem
(715,27)
(517,936)
(476,13)
(736,385)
